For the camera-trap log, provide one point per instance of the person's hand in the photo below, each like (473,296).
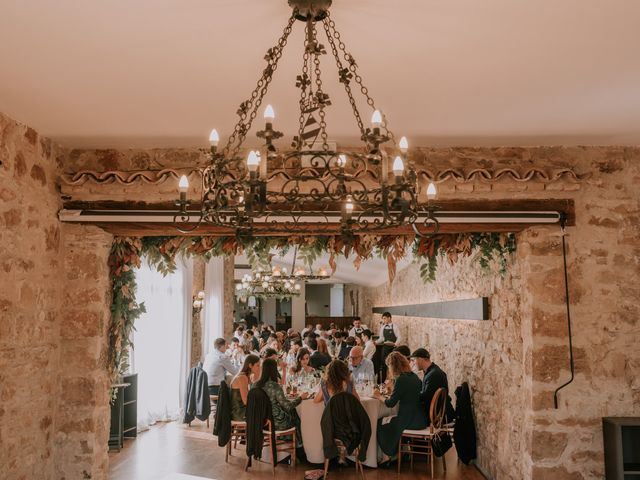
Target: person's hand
(304,396)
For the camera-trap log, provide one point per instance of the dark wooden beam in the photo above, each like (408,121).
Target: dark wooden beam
(468,309)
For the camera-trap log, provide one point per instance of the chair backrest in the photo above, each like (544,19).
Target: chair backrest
(437,408)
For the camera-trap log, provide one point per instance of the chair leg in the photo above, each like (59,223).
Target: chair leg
(399,453)
(293,451)
(444,464)
(227,450)
(432,461)
(326,469)
(207,422)
(247,464)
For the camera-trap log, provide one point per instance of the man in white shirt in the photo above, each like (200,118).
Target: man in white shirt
(389,336)
(239,334)
(369,346)
(318,331)
(217,364)
(360,366)
(357,328)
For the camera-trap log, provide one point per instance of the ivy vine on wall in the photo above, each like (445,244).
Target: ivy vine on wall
(161,252)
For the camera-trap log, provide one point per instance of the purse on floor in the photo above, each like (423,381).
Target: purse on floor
(441,443)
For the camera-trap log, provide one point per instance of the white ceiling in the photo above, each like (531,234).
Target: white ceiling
(163,72)
(372,272)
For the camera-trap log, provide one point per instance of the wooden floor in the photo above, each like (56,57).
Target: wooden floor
(172,451)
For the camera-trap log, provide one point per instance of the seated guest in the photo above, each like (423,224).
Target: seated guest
(406,392)
(239,334)
(338,345)
(284,411)
(217,365)
(359,365)
(349,343)
(318,331)
(337,379)
(357,329)
(270,353)
(433,379)
(302,366)
(240,387)
(369,345)
(318,358)
(251,340)
(294,347)
(306,330)
(403,349)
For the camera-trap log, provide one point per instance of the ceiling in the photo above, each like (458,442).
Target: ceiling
(458,72)
(372,272)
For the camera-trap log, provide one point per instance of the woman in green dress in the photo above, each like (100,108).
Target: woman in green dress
(240,387)
(284,410)
(406,393)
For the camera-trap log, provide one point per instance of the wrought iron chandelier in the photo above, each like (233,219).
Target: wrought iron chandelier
(313,186)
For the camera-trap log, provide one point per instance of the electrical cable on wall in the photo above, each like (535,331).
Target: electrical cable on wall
(563,221)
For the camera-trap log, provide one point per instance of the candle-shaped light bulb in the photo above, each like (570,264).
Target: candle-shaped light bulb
(342,160)
(376,119)
(269,114)
(183,184)
(253,161)
(297,287)
(349,205)
(322,271)
(404,145)
(398,167)
(214,138)
(431,191)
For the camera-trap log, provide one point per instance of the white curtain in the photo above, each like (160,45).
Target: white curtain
(213,310)
(162,341)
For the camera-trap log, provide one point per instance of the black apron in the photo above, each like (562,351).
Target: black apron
(358,330)
(388,335)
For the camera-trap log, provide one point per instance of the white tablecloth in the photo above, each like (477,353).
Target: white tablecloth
(311,413)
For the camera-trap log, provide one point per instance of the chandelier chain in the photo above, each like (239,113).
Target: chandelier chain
(321,98)
(345,81)
(249,108)
(353,67)
(302,83)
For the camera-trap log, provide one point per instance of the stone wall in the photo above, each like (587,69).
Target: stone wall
(54,312)
(486,354)
(83,415)
(31,270)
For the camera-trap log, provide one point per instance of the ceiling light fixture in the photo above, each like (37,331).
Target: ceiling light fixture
(282,190)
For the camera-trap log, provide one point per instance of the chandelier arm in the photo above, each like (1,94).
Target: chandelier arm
(249,107)
(345,77)
(322,98)
(353,68)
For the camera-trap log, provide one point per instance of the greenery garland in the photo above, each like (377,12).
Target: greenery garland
(161,253)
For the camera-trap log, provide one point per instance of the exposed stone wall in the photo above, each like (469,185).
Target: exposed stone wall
(83,415)
(486,354)
(604,278)
(30,298)
(54,312)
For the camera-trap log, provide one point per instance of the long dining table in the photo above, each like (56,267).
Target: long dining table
(310,414)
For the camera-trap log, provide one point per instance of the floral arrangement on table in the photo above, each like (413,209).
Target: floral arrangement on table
(161,252)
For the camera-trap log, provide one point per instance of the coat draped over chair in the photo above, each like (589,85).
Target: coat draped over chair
(196,399)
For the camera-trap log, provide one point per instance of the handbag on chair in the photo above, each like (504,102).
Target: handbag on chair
(441,443)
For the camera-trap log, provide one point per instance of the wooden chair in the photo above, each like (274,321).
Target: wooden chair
(238,433)
(282,444)
(359,468)
(418,442)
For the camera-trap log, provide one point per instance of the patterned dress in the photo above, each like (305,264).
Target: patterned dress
(284,411)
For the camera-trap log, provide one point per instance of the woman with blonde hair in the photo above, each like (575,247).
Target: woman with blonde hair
(406,393)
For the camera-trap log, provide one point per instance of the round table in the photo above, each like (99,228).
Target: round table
(311,413)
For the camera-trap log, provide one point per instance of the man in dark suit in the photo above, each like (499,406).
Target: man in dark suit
(434,378)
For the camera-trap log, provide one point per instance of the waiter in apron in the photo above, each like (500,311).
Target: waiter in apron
(389,337)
